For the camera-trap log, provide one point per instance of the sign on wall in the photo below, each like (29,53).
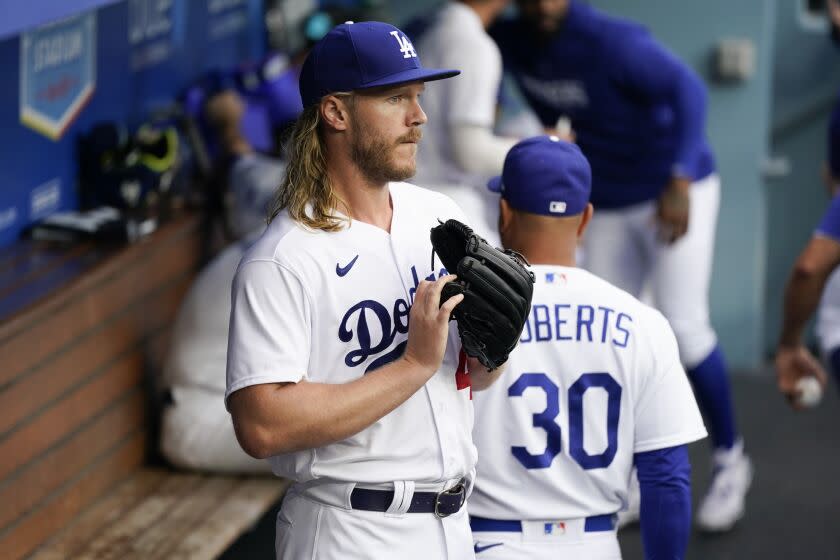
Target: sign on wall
(227,17)
(57,73)
(155,31)
(113,60)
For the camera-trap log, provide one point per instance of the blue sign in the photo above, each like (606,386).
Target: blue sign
(124,58)
(233,25)
(155,31)
(57,73)
(21,16)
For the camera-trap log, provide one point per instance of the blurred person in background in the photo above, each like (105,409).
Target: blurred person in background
(461,152)
(196,431)
(248,173)
(833,11)
(828,316)
(638,113)
(814,275)
(827,325)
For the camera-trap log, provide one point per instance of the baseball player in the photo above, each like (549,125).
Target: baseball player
(814,276)
(828,313)
(638,113)
(594,386)
(462,151)
(343,369)
(816,262)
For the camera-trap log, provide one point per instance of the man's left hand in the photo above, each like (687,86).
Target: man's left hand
(792,364)
(480,377)
(672,209)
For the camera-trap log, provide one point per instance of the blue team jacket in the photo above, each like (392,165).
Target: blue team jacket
(638,111)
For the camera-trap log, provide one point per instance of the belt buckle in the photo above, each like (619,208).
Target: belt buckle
(454,491)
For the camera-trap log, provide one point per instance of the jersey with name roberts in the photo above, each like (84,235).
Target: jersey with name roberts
(596,378)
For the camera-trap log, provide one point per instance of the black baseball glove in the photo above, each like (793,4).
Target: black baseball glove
(497,291)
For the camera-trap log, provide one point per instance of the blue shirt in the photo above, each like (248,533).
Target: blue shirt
(638,111)
(830,224)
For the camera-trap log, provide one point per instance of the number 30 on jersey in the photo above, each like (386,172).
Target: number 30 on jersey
(546,419)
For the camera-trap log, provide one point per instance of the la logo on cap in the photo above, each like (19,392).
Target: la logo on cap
(405,45)
(357,56)
(557,207)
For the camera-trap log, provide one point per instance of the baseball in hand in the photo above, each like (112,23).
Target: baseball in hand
(810,391)
(563,127)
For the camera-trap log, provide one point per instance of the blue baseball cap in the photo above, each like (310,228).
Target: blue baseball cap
(363,55)
(545,175)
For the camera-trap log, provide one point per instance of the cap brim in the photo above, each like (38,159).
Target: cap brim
(495,184)
(414,75)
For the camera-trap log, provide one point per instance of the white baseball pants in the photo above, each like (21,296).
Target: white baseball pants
(622,247)
(308,528)
(828,315)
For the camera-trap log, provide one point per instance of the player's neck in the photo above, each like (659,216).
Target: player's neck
(545,250)
(366,201)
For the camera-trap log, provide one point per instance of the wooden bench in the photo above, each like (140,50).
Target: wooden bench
(82,333)
(160,514)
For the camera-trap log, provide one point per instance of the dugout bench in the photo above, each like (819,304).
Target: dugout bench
(83,330)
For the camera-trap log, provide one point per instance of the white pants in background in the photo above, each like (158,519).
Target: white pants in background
(622,247)
(309,528)
(828,315)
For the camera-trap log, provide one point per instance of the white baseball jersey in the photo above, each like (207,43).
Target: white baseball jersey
(328,307)
(596,378)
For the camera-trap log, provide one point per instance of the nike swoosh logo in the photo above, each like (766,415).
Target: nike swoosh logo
(343,270)
(478,548)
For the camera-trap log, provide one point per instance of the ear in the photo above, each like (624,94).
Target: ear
(584,219)
(505,218)
(335,113)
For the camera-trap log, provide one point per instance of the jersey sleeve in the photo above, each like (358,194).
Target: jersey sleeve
(665,485)
(666,412)
(270,337)
(830,224)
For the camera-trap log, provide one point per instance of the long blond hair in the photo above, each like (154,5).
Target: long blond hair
(306,191)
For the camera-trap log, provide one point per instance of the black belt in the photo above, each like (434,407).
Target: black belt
(442,504)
